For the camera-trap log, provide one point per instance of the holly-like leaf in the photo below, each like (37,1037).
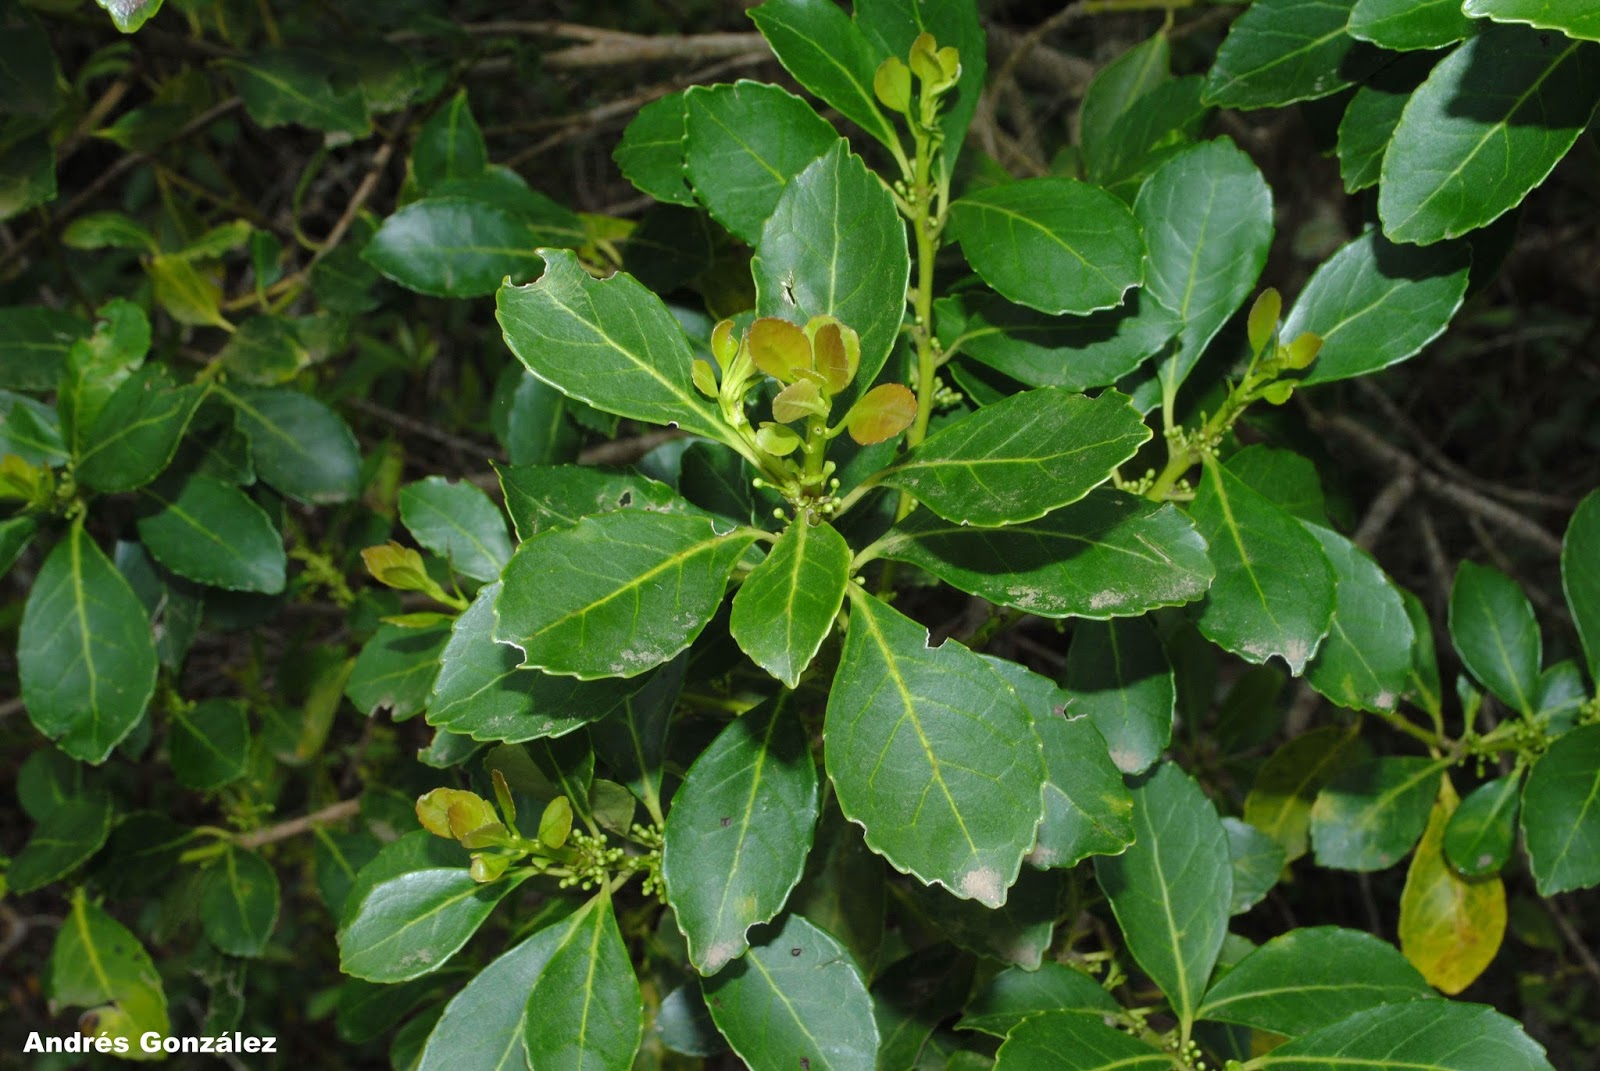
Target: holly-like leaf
(1282,51)
(1171,889)
(457,522)
(1371,813)
(1117,675)
(1280,801)
(85,654)
(1075,1041)
(932,755)
(786,606)
(585,1012)
(1374,304)
(1426,1035)
(1450,926)
(739,831)
(410,924)
(1020,458)
(1052,244)
(239,903)
(545,496)
(1481,832)
(1402,25)
(617,594)
(825,51)
(1450,169)
(1561,813)
(299,445)
(1572,17)
(1365,660)
(1496,635)
(1580,577)
(213,533)
(454,247)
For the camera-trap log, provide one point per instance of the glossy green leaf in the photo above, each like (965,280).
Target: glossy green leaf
(239,903)
(98,365)
(818,44)
(743,144)
(134,437)
(1087,811)
(410,924)
(1482,830)
(295,85)
(844,887)
(1117,675)
(550,222)
(796,999)
(785,607)
(1451,169)
(631,739)
(1075,1041)
(1282,51)
(213,533)
(449,145)
(1427,1035)
(543,496)
(85,655)
(1402,25)
(1207,220)
(937,762)
(98,964)
(1015,994)
(612,344)
(1572,17)
(1257,863)
(1366,130)
(913,995)
(1280,801)
(396,669)
(1374,304)
(1561,813)
(584,1012)
(1052,244)
(835,246)
(16,533)
(482,1027)
(1365,660)
(66,836)
(634,589)
(738,833)
(1580,577)
(108,230)
(1289,479)
(34,341)
(454,247)
(1371,813)
(1115,89)
(1158,126)
(31,430)
(1020,458)
(1275,589)
(457,522)
(299,445)
(1019,932)
(265,351)
(1496,635)
(651,152)
(209,743)
(1310,978)
(29,74)
(1171,889)
(1108,555)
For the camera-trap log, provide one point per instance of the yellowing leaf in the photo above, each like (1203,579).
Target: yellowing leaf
(1450,927)
(882,413)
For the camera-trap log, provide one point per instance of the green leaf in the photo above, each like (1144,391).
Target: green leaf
(410,924)
(98,365)
(844,887)
(1561,813)
(584,1012)
(786,605)
(1289,479)
(1108,555)
(1158,126)
(1171,889)
(743,144)
(545,496)
(109,230)
(31,430)
(1282,51)
(1280,801)
(617,594)
(914,995)
(1371,813)
(298,445)
(1015,994)
(632,737)
(1075,1041)
(1374,304)
(1368,126)
(1117,675)
(85,655)
(1481,831)
(1365,661)
(30,78)
(612,344)
(136,434)
(549,222)
(1114,91)
(34,341)
(1402,25)
(1580,577)
(1087,811)
(1310,978)
(795,1000)
(454,247)
(396,669)
(457,522)
(1274,591)
(835,246)
(738,833)
(1018,932)
(1451,169)
(213,533)
(27,174)
(1020,458)
(1425,1035)
(239,903)
(265,351)
(1207,220)
(818,44)
(129,15)
(936,762)
(209,743)
(482,1027)
(1257,863)
(1496,635)
(67,836)
(97,963)
(1450,928)
(1572,17)
(1052,244)
(295,85)
(651,152)
(16,533)
(449,145)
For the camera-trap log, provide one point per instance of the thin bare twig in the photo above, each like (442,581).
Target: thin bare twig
(1574,938)
(1383,509)
(334,812)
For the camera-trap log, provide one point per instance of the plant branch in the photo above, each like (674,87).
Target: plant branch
(334,812)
